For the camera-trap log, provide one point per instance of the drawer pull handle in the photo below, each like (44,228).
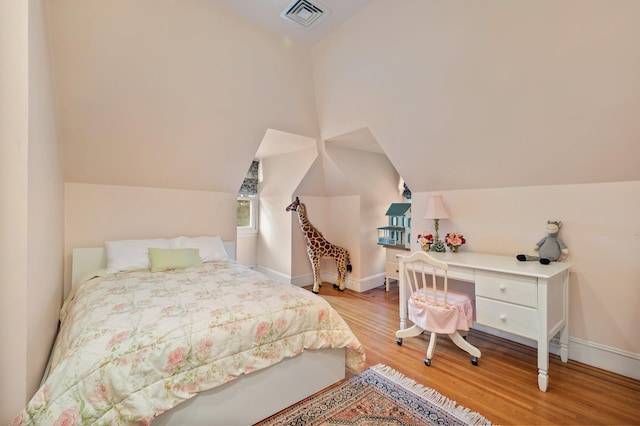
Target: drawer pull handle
(503,287)
(503,317)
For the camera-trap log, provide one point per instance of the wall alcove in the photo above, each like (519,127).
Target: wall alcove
(347,183)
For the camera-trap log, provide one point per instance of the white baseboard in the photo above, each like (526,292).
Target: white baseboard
(605,357)
(278,276)
(299,281)
(331,277)
(594,354)
(361,285)
(368,283)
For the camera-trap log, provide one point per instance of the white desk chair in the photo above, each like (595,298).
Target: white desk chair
(433,309)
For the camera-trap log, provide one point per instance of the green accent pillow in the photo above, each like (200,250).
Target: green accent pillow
(167,259)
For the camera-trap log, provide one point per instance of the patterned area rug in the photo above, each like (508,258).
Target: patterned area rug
(380,396)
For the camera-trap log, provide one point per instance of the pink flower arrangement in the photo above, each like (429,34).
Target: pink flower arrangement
(425,240)
(454,240)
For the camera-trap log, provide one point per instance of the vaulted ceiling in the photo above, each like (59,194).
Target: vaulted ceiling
(268,15)
(457,94)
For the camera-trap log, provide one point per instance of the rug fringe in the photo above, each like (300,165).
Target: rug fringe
(464,414)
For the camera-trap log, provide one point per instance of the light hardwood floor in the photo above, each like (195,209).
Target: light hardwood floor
(504,386)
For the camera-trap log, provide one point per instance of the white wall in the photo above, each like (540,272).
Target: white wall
(31,197)
(376,181)
(45,203)
(14,192)
(98,213)
(274,250)
(247,250)
(281,174)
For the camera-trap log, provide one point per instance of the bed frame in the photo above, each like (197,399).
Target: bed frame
(249,398)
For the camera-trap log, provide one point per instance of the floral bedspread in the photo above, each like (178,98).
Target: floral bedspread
(133,345)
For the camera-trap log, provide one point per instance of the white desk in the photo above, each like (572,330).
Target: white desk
(523,298)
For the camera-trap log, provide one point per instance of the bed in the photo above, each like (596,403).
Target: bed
(202,343)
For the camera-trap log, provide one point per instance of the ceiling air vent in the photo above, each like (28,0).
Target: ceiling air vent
(304,13)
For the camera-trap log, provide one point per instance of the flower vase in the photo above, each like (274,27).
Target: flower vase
(454,249)
(426,247)
(438,247)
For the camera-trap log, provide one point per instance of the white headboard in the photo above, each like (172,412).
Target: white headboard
(86,260)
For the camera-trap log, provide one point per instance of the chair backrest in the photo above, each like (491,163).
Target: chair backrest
(420,271)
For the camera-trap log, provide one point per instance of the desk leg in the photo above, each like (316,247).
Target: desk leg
(564,344)
(543,365)
(402,296)
(543,380)
(564,333)
(543,335)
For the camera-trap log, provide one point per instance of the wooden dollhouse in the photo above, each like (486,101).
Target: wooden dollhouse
(398,232)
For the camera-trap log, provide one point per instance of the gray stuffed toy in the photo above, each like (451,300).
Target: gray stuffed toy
(550,248)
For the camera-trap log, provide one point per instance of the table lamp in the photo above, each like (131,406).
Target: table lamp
(436,211)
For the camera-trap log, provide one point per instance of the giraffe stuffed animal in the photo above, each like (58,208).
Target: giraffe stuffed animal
(318,247)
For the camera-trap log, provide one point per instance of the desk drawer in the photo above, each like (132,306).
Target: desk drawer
(393,253)
(462,274)
(508,288)
(514,319)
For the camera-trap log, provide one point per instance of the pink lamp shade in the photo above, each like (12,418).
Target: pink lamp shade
(435,208)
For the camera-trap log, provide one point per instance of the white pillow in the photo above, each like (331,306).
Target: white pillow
(131,255)
(211,248)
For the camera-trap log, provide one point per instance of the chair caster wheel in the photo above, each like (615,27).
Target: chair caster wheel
(427,362)
(474,360)
(399,341)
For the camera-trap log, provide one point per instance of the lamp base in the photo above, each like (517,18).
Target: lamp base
(438,246)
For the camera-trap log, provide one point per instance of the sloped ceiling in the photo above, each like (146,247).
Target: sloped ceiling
(329,175)
(458,95)
(464,95)
(324,178)
(277,142)
(171,94)
(267,15)
(487,94)
(361,139)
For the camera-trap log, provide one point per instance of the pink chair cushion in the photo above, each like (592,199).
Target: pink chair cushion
(437,318)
